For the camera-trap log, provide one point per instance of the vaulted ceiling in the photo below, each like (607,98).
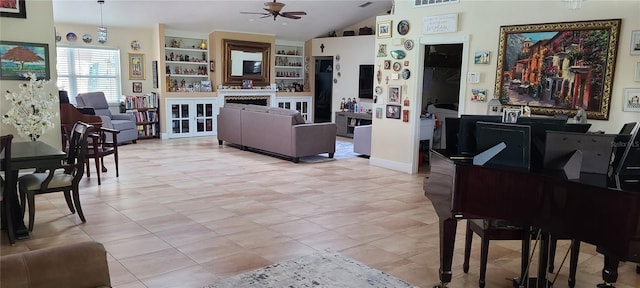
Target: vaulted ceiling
(210,15)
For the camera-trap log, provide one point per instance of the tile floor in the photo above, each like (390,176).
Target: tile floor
(186,212)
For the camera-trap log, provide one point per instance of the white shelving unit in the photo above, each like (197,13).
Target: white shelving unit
(289,66)
(186,63)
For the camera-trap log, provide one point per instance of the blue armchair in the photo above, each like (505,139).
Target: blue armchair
(125,123)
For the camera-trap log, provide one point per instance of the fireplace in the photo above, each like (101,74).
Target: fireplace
(264,97)
(255,100)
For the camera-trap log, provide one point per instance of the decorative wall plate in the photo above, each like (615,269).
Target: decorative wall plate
(338,67)
(378,90)
(397,66)
(406,74)
(403,27)
(337,57)
(72,37)
(135,45)
(398,54)
(87,38)
(408,44)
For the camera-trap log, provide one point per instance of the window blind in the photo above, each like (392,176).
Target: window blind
(82,70)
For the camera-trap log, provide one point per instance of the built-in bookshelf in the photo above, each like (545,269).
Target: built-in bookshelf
(146,110)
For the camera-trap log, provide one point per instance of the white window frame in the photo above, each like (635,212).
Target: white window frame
(113,98)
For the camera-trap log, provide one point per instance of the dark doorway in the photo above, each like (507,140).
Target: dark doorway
(324,89)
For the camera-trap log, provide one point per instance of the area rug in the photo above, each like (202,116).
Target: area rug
(325,269)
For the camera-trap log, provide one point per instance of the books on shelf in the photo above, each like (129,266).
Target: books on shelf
(145,116)
(145,101)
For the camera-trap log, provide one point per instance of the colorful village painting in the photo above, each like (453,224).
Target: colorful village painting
(559,70)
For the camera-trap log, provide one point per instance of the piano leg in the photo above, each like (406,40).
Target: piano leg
(447,241)
(609,272)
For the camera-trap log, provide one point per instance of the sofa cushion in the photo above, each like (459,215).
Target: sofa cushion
(123,125)
(297,117)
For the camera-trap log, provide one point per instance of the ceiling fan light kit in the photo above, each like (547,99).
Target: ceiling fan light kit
(273,10)
(102,31)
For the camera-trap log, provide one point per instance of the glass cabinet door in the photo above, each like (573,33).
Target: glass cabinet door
(204,117)
(180,118)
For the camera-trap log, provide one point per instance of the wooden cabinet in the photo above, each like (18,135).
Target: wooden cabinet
(346,121)
(191,117)
(186,65)
(289,66)
(301,104)
(146,110)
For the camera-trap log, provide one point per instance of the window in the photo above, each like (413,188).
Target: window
(82,70)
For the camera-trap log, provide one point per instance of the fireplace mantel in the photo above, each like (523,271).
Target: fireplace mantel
(239,93)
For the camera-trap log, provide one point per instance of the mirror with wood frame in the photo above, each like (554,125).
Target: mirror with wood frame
(245,60)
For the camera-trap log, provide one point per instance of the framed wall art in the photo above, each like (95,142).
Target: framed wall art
(395,94)
(393,111)
(635,42)
(637,77)
(15,9)
(137,87)
(136,66)
(557,67)
(632,100)
(19,58)
(383,29)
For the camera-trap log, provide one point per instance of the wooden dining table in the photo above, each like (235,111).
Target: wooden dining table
(26,155)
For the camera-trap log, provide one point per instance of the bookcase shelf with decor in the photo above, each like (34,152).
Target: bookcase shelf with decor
(186,64)
(145,108)
(289,66)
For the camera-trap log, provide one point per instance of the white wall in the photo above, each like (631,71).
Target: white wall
(480,22)
(36,28)
(119,38)
(353,51)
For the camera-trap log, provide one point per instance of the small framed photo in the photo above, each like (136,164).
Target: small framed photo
(383,29)
(379,112)
(481,57)
(137,87)
(632,100)
(637,78)
(387,64)
(479,95)
(136,66)
(205,86)
(395,94)
(212,66)
(510,115)
(635,42)
(393,111)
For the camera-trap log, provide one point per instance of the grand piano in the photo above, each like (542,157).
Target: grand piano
(587,209)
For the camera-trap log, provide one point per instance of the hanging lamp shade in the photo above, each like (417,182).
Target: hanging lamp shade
(102,31)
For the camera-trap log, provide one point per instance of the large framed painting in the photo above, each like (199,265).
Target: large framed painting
(19,58)
(555,68)
(13,8)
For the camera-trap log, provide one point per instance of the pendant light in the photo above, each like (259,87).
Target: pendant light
(102,31)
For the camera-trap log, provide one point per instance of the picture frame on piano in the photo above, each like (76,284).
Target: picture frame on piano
(510,115)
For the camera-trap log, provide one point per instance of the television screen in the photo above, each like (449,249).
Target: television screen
(365,82)
(251,67)
(517,138)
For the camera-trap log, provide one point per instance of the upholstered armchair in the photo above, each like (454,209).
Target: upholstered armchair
(125,123)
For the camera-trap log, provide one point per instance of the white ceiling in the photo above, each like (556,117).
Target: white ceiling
(206,16)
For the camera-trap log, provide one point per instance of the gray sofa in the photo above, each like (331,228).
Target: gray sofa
(125,123)
(276,130)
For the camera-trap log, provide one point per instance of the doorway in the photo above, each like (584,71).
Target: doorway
(323,89)
(441,85)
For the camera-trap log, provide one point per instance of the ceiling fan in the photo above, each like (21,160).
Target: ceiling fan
(273,10)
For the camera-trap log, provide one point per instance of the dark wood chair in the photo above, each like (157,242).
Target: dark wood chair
(102,143)
(7,221)
(501,230)
(64,179)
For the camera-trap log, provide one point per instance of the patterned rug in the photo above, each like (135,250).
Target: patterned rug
(320,270)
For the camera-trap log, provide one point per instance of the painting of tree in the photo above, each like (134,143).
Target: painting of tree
(18,59)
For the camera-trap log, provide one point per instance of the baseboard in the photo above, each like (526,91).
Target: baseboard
(402,167)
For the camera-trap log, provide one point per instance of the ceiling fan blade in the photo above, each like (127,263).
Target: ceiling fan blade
(290,16)
(294,13)
(259,13)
